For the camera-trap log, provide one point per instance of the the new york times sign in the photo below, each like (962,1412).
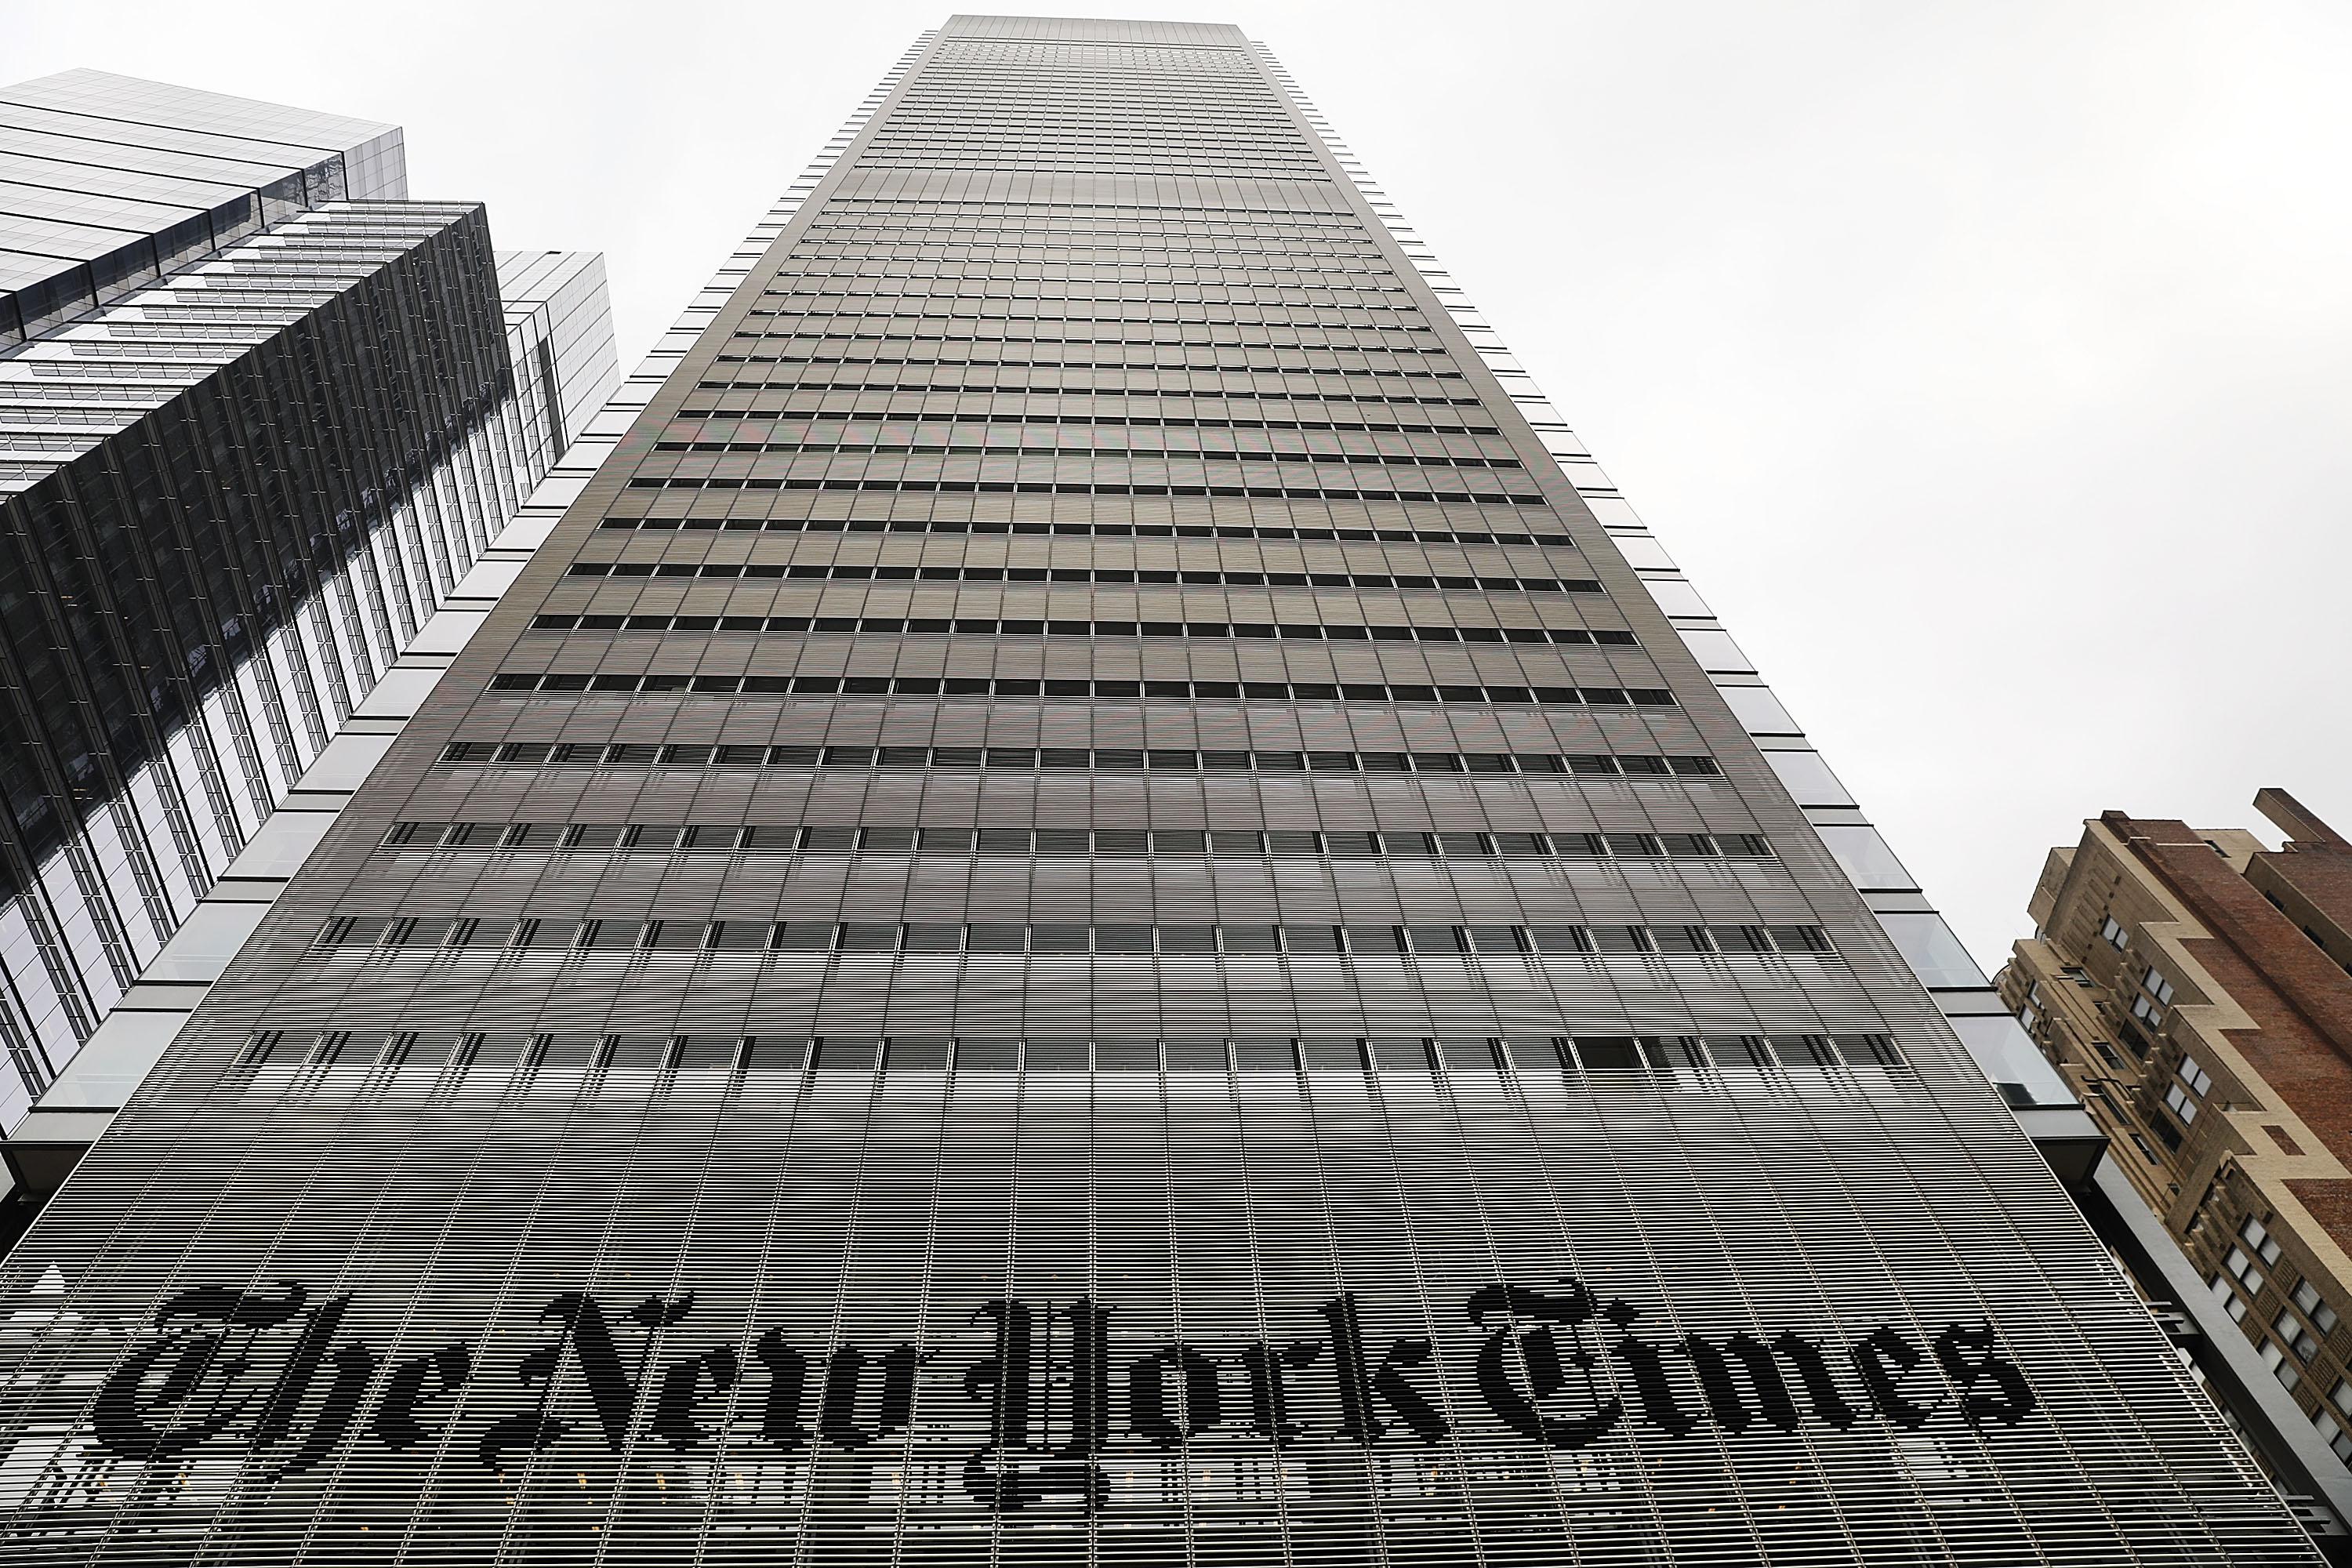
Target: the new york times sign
(1045,1387)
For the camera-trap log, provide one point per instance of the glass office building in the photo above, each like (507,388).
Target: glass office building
(1095,904)
(260,414)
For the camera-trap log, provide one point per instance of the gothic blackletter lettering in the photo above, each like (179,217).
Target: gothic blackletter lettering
(1883,1357)
(397,1426)
(612,1390)
(779,1416)
(1362,1383)
(1716,1379)
(1152,1408)
(191,1401)
(1269,1414)
(1528,1314)
(1966,1355)
(681,1391)
(1659,1406)
(1830,1403)
(843,1379)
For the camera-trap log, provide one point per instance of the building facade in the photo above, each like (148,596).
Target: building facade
(2193,985)
(1095,903)
(259,416)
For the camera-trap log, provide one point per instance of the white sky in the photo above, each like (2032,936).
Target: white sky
(1986,363)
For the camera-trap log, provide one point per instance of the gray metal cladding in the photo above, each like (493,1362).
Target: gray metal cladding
(1313,1128)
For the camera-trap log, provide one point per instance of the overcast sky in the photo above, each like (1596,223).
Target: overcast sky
(1988,365)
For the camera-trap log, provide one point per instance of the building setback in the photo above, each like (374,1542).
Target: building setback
(2193,985)
(1082,912)
(260,414)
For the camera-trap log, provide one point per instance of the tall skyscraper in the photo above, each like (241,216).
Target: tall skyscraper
(260,414)
(1083,912)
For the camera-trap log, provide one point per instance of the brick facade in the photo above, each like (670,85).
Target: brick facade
(2183,981)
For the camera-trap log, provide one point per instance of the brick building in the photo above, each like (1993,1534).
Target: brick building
(2193,987)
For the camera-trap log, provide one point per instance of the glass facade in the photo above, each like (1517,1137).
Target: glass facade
(112,182)
(1081,912)
(230,498)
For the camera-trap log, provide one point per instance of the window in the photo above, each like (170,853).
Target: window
(2292,1334)
(2177,1099)
(2333,1431)
(2265,1245)
(2113,934)
(2242,1269)
(2274,1358)
(2198,1079)
(2322,1315)
(2030,1011)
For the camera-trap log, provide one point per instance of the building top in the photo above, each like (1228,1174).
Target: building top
(2310,880)
(62,395)
(2205,942)
(2284,912)
(556,304)
(112,181)
(1094,30)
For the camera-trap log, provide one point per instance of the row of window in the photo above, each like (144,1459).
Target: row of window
(1110,421)
(2189,1084)
(1271,232)
(2296,1331)
(1216,294)
(1135,267)
(1218,344)
(1100,842)
(838,572)
(997,318)
(525,753)
(2154,995)
(987,686)
(1361,284)
(829,253)
(1012,271)
(833,386)
(1088,132)
(1667,1055)
(1125,220)
(1089,488)
(1138,382)
(984,254)
(1574,637)
(1266,229)
(1122,529)
(967,403)
(976,444)
(1211,158)
(1205,363)
(1137,331)
(352,932)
